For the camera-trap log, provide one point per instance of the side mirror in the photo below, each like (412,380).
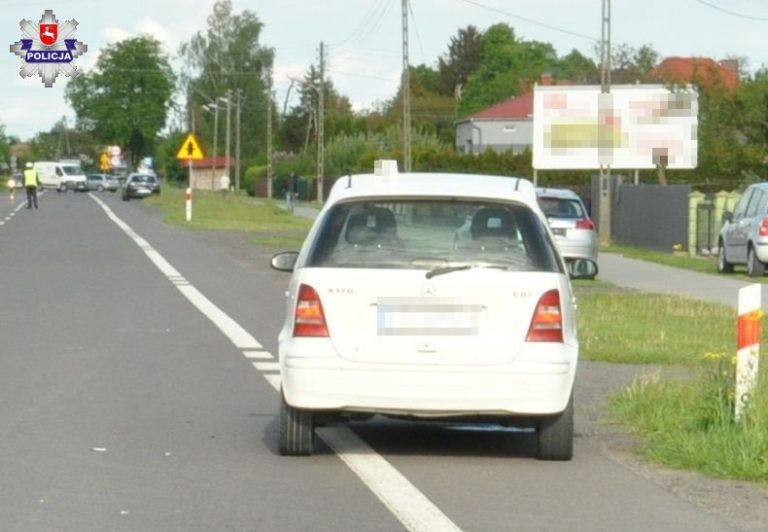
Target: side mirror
(727,216)
(583,269)
(284,261)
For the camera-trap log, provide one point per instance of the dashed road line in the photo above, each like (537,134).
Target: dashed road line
(409,505)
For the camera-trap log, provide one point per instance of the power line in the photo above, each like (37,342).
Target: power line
(531,21)
(732,13)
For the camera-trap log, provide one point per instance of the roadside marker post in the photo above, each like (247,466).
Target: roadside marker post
(188,201)
(748,345)
(189,151)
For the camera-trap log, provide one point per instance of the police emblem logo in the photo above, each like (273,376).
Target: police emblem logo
(48,48)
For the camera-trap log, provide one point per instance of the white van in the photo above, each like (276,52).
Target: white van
(61,175)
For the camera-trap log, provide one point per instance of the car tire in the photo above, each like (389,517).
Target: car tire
(125,197)
(297,431)
(555,435)
(755,268)
(723,266)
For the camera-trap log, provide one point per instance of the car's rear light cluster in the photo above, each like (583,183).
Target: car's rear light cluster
(309,319)
(547,322)
(586,223)
(763,229)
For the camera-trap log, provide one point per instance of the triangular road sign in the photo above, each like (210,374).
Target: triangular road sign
(190,149)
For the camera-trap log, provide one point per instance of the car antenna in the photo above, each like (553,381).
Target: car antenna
(349,178)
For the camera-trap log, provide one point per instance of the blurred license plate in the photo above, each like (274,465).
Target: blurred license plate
(560,231)
(441,320)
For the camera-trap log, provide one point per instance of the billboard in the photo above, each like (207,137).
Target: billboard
(632,127)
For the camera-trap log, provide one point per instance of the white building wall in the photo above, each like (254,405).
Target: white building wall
(476,136)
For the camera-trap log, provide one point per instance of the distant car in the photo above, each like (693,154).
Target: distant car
(573,229)
(15,182)
(744,234)
(140,186)
(102,182)
(387,313)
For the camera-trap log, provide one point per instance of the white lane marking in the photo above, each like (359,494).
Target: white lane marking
(258,355)
(267,366)
(414,510)
(409,505)
(274,380)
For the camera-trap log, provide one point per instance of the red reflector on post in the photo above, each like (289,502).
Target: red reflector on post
(749,329)
(309,318)
(547,322)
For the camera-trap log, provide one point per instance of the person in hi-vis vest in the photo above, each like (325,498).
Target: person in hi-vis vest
(30,185)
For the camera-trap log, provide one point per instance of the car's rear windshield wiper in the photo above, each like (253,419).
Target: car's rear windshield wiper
(450,269)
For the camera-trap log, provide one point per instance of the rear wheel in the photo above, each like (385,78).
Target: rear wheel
(755,268)
(555,435)
(723,266)
(297,431)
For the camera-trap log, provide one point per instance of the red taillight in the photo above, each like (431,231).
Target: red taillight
(763,229)
(309,319)
(547,322)
(585,224)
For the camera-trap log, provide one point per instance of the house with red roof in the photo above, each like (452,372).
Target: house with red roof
(701,70)
(505,126)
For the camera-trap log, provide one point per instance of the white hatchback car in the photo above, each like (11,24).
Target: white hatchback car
(388,314)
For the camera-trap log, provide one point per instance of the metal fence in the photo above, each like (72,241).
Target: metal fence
(647,216)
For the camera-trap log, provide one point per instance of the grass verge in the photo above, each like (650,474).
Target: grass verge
(638,328)
(265,221)
(690,424)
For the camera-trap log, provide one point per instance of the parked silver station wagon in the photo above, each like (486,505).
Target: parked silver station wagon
(744,234)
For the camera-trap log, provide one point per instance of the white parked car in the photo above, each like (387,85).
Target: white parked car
(388,314)
(744,234)
(571,225)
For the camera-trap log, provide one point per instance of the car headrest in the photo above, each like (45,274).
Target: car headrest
(493,221)
(369,224)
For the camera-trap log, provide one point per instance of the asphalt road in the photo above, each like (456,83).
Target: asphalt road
(137,392)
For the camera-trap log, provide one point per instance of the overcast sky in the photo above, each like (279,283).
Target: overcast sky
(364,37)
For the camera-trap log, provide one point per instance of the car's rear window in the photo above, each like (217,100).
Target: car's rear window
(425,234)
(562,207)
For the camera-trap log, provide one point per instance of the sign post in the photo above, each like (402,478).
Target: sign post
(189,151)
(748,343)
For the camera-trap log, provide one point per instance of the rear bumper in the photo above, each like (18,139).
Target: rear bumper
(578,250)
(516,389)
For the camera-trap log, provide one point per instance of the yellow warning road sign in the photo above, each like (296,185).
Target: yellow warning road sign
(104,162)
(190,149)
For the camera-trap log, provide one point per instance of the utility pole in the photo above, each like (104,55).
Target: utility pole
(270,169)
(406,83)
(237,133)
(605,131)
(228,137)
(321,127)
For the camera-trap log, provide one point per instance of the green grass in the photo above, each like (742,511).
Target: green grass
(266,223)
(690,424)
(638,328)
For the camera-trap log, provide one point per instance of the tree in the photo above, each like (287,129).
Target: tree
(461,60)
(577,68)
(299,128)
(226,60)
(507,67)
(126,98)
